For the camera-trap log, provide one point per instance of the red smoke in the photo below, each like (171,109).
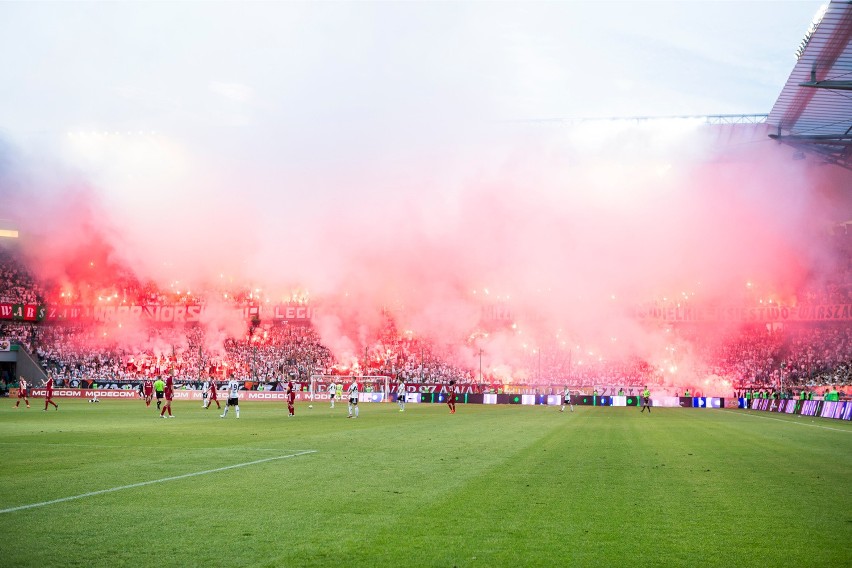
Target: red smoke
(568,230)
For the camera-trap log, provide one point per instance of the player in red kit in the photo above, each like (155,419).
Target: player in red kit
(48,394)
(451,397)
(291,399)
(148,391)
(22,392)
(169,393)
(212,395)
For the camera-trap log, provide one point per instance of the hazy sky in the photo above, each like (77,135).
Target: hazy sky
(309,69)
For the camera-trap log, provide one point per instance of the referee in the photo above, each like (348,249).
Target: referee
(646,400)
(159,387)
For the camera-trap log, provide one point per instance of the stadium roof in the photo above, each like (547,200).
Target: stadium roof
(813,113)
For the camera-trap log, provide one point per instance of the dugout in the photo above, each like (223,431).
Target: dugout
(16,362)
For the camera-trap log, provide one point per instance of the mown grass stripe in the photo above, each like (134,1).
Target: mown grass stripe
(151,482)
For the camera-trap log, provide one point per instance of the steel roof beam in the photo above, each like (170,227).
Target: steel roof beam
(832,85)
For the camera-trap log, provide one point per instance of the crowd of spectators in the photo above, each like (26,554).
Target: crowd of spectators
(817,355)
(17,285)
(19,332)
(757,356)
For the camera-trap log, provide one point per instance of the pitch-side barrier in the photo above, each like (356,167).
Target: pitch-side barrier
(841,410)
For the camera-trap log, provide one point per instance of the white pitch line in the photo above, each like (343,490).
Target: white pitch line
(106,446)
(144,483)
(785,421)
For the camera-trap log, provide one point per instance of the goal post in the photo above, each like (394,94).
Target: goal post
(366,384)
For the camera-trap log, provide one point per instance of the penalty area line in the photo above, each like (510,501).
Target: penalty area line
(784,421)
(153,481)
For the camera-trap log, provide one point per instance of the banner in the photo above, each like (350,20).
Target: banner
(810,407)
(22,312)
(196,395)
(762,314)
(425,388)
(251,396)
(296,313)
(189,313)
(500,388)
(706,402)
(834,409)
(293,312)
(167,313)
(497,312)
(841,410)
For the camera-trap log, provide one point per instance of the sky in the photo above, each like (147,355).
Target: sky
(296,68)
(399,153)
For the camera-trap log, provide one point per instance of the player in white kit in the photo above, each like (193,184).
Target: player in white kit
(566,399)
(400,395)
(233,398)
(353,398)
(332,392)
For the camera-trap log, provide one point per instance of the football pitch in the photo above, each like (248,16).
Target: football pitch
(112,484)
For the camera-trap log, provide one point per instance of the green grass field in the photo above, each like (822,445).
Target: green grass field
(489,486)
